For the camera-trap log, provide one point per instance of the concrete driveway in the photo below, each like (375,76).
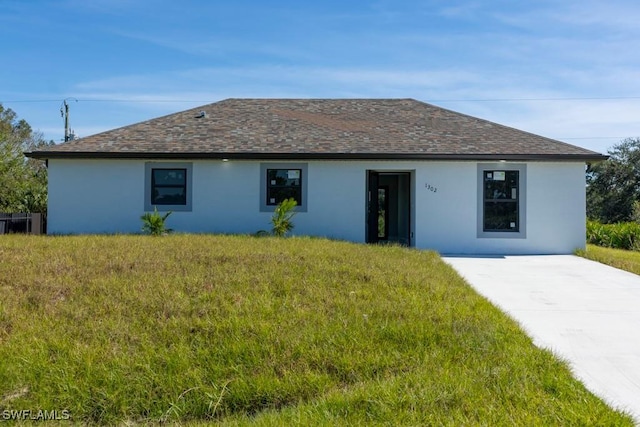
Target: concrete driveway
(585,312)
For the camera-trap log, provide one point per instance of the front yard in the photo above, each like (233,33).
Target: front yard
(242,330)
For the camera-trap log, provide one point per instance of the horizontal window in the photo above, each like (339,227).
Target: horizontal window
(500,216)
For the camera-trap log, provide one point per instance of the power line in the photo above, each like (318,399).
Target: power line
(592,137)
(106,100)
(586,98)
(604,98)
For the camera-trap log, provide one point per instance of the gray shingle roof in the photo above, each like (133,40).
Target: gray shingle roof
(318,128)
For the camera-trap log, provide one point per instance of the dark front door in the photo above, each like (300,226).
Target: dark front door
(389,207)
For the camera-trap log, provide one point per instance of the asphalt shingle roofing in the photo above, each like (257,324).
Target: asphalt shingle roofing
(318,128)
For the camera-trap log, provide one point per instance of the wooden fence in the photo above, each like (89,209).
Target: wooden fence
(26,223)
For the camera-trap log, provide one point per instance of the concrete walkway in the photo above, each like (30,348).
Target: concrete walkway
(585,312)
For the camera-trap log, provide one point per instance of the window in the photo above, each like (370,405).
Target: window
(283,184)
(501,200)
(168,186)
(280,181)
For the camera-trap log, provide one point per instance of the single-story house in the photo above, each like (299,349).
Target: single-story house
(363,170)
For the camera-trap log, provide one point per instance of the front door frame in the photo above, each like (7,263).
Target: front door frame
(373,183)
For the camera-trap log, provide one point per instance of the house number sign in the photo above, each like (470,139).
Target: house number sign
(430,187)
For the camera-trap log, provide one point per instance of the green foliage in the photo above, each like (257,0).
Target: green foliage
(614,185)
(623,235)
(635,212)
(238,330)
(153,223)
(282,217)
(23,181)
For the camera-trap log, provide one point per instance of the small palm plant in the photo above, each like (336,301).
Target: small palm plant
(282,216)
(154,223)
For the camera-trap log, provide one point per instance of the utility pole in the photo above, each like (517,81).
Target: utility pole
(64,112)
(66,121)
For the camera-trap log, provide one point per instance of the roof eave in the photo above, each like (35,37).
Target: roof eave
(587,157)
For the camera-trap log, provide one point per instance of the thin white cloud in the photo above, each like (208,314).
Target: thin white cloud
(613,14)
(428,50)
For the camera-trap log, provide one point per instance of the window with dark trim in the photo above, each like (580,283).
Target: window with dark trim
(282,180)
(168,186)
(283,184)
(501,201)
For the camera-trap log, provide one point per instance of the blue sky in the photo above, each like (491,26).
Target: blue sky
(566,69)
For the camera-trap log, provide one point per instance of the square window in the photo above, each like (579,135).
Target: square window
(283,184)
(281,181)
(167,186)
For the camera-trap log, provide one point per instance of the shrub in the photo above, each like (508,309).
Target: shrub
(622,235)
(282,216)
(154,223)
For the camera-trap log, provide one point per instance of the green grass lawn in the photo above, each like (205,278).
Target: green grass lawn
(242,330)
(618,258)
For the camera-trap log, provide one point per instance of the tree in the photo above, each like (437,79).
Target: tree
(23,181)
(614,185)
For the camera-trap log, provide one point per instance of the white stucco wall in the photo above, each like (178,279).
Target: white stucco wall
(107,196)
(555,209)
